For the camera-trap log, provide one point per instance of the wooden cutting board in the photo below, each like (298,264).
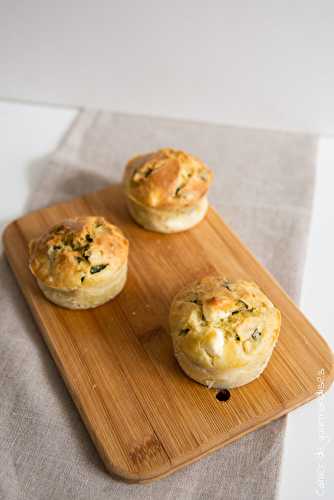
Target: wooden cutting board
(146,418)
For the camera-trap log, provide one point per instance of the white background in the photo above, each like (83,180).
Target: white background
(259,63)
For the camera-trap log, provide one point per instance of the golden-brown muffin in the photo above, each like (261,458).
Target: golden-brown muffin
(166,190)
(81,262)
(223,332)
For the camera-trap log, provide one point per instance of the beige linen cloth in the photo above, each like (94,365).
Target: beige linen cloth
(263,188)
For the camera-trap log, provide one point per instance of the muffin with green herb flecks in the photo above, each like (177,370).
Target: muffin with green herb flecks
(81,262)
(166,191)
(223,331)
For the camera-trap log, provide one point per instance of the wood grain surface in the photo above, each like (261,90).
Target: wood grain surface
(146,418)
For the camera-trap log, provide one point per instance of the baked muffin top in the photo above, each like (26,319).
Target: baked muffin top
(78,252)
(166,179)
(222,324)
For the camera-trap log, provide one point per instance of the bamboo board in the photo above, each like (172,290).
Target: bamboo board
(146,418)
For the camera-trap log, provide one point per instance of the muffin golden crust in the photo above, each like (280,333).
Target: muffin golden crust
(80,262)
(166,190)
(223,332)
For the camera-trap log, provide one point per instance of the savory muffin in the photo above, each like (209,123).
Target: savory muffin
(81,262)
(223,332)
(166,190)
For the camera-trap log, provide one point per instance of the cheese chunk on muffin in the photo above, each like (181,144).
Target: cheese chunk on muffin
(223,332)
(166,190)
(81,262)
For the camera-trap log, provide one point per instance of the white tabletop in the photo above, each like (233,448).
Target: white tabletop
(30,133)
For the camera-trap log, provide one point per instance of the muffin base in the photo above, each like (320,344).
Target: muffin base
(227,379)
(86,297)
(167,221)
